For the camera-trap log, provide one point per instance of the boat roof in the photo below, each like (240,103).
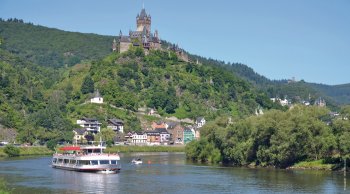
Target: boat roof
(70,148)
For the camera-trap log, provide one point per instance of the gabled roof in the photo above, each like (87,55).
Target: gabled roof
(171,124)
(89,119)
(80,131)
(199,119)
(116,121)
(161,130)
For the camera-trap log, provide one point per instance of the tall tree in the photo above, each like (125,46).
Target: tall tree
(88,85)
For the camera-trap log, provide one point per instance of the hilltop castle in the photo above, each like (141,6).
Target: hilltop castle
(143,37)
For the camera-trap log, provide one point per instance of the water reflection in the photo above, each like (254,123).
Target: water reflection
(86,182)
(166,173)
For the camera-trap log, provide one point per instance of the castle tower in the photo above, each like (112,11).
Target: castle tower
(143,21)
(114,45)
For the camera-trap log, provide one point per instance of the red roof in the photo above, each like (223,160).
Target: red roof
(70,148)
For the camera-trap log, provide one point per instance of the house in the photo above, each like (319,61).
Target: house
(79,135)
(164,136)
(139,138)
(128,137)
(188,135)
(284,102)
(200,122)
(159,124)
(153,137)
(90,124)
(97,98)
(116,125)
(176,132)
(197,133)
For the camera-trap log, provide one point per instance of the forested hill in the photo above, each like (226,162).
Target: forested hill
(340,93)
(294,90)
(56,48)
(51,47)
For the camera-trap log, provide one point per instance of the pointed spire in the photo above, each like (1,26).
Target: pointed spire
(120,33)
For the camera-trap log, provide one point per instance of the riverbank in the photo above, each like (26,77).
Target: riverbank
(29,151)
(32,151)
(132,148)
(313,165)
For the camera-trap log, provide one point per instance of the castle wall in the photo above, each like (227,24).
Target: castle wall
(124,46)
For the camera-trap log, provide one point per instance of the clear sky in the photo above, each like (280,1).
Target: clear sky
(280,39)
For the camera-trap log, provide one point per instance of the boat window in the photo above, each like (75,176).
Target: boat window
(54,160)
(94,162)
(60,160)
(84,162)
(104,161)
(113,162)
(66,161)
(72,161)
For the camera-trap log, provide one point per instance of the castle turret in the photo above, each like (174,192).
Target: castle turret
(143,21)
(114,45)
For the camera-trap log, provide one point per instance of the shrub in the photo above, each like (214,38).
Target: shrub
(51,144)
(11,150)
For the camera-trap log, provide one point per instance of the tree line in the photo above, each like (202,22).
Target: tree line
(276,138)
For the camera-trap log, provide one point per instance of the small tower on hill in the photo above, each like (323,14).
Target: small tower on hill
(114,45)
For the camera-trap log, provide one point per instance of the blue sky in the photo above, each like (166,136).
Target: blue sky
(279,39)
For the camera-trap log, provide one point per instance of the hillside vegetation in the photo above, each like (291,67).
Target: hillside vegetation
(52,47)
(276,138)
(57,48)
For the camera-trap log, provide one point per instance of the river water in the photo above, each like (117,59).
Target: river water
(166,173)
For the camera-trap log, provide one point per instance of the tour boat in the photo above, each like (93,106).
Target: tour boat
(89,158)
(136,161)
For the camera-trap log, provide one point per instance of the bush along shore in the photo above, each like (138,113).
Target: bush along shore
(12,151)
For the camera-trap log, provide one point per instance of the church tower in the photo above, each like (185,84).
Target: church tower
(143,21)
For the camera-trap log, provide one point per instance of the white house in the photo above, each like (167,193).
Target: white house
(284,102)
(200,122)
(79,135)
(164,135)
(116,125)
(97,98)
(139,138)
(91,125)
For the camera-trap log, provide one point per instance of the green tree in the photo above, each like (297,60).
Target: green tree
(11,150)
(88,85)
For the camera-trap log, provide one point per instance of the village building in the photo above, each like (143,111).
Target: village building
(200,122)
(79,135)
(176,132)
(158,124)
(139,138)
(188,135)
(90,124)
(116,125)
(153,137)
(97,98)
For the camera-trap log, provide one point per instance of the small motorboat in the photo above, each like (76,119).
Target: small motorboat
(136,161)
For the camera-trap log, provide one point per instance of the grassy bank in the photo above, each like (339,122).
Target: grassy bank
(132,148)
(314,165)
(29,151)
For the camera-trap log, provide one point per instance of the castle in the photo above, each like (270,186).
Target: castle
(143,37)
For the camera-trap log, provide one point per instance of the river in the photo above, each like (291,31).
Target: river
(165,173)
